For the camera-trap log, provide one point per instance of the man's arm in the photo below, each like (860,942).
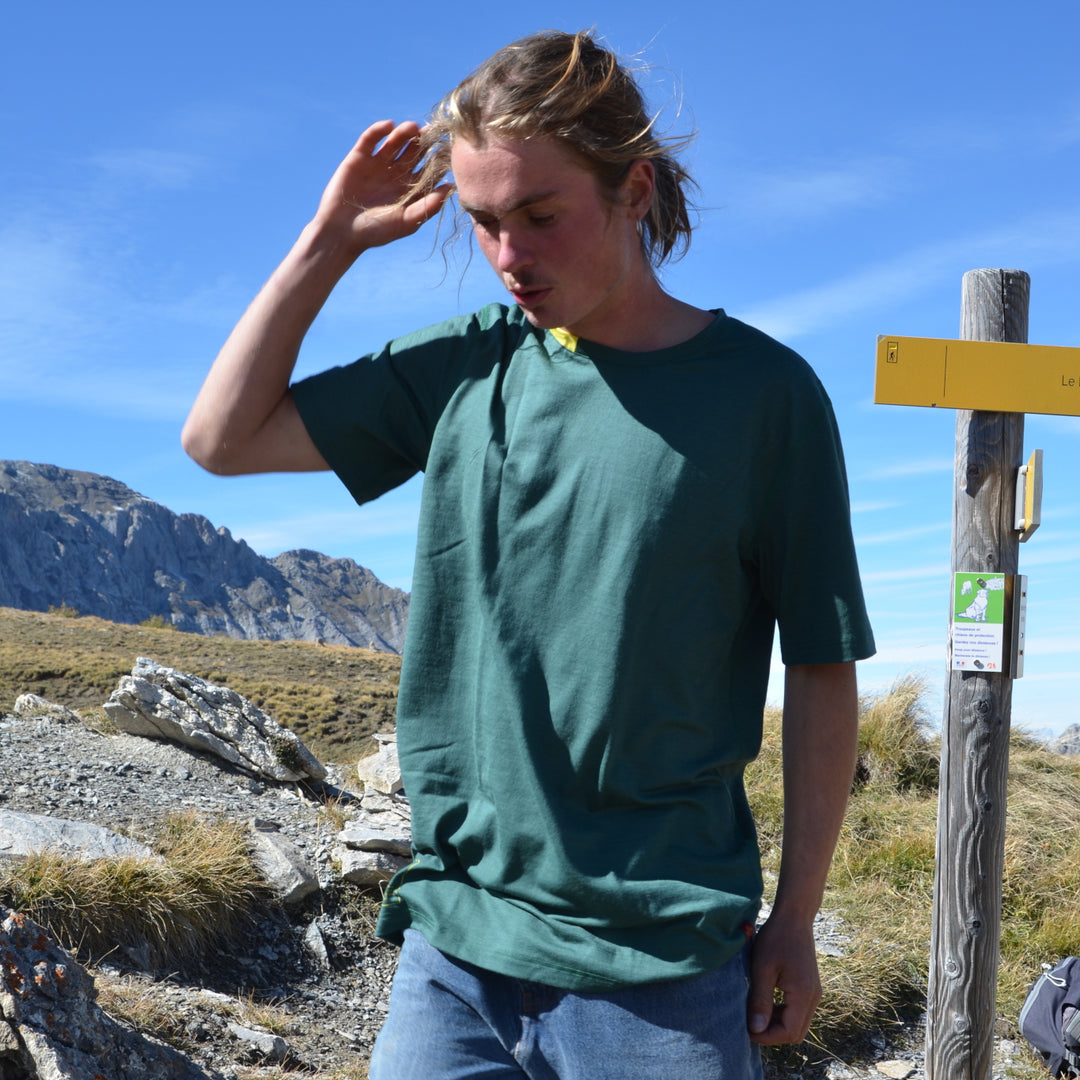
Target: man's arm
(820,743)
(244,419)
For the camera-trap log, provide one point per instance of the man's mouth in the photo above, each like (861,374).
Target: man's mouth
(530,296)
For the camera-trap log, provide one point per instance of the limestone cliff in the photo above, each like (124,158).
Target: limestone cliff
(91,543)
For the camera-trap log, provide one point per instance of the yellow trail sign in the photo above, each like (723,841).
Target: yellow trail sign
(995,376)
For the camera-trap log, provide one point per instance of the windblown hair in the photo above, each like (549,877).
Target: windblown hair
(566,87)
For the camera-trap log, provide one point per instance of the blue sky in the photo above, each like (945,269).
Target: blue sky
(854,161)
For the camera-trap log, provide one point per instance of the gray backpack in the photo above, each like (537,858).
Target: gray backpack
(1050,1018)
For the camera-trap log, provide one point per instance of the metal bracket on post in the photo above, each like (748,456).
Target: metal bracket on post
(1016,599)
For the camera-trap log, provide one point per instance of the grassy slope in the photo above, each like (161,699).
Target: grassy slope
(882,878)
(333,697)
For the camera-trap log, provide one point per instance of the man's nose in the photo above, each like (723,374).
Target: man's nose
(514,253)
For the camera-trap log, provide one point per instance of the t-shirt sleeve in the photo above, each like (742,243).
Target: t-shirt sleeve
(346,411)
(808,567)
(373,419)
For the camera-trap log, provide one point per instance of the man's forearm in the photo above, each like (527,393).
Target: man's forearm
(820,743)
(246,390)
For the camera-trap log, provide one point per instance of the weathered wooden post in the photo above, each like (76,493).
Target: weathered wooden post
(975,729)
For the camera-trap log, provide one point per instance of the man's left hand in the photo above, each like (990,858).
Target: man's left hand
(785,987)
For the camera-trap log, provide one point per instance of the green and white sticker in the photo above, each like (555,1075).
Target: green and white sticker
(978,622)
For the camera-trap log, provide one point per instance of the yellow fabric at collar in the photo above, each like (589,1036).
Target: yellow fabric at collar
(565,338)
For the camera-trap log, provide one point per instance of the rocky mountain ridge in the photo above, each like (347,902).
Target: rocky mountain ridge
(91,543)
(1068,742)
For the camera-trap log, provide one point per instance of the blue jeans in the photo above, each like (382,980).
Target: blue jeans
(450,1020)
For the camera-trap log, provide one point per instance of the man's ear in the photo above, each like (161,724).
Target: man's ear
(639,187)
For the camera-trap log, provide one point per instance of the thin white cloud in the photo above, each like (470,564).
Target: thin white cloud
(63,320)
(813,310)
(897,535)
(73,329)
(1034,554)
(905,574)
(1055,513)
(1060,131)
(47,301)
(771,199)
(169,169)
(218,303)
(1055,645)
(871,506)
(909,654)
(922,467)
(408,278)
(1058,425)
(1051,237)
(761,198)
(1044,130)
(321,530)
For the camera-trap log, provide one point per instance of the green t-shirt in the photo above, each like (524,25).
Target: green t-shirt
(606,541)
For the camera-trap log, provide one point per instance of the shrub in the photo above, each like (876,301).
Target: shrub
(894,745)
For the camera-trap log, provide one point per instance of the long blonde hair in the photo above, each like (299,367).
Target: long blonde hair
(566,87)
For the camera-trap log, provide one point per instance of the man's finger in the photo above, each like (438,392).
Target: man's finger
(760,1002)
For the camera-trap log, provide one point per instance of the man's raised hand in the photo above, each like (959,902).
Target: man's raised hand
(244,419)
(365,196)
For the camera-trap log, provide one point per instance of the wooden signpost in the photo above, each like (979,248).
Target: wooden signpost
(1002,381)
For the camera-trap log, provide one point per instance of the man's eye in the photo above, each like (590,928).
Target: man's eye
(542,219)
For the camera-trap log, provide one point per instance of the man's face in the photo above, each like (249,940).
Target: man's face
(569,255)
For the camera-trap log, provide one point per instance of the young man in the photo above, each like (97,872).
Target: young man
(623,495)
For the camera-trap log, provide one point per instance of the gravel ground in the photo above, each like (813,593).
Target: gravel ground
(315,976)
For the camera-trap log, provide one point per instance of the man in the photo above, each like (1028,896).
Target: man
(623,495)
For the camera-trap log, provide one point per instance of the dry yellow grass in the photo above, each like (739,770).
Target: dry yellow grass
(882,877)
(333,697)
(143,1007)
(170,911)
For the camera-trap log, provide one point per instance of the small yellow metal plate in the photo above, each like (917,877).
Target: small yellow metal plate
(1029,488)
(990,375)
